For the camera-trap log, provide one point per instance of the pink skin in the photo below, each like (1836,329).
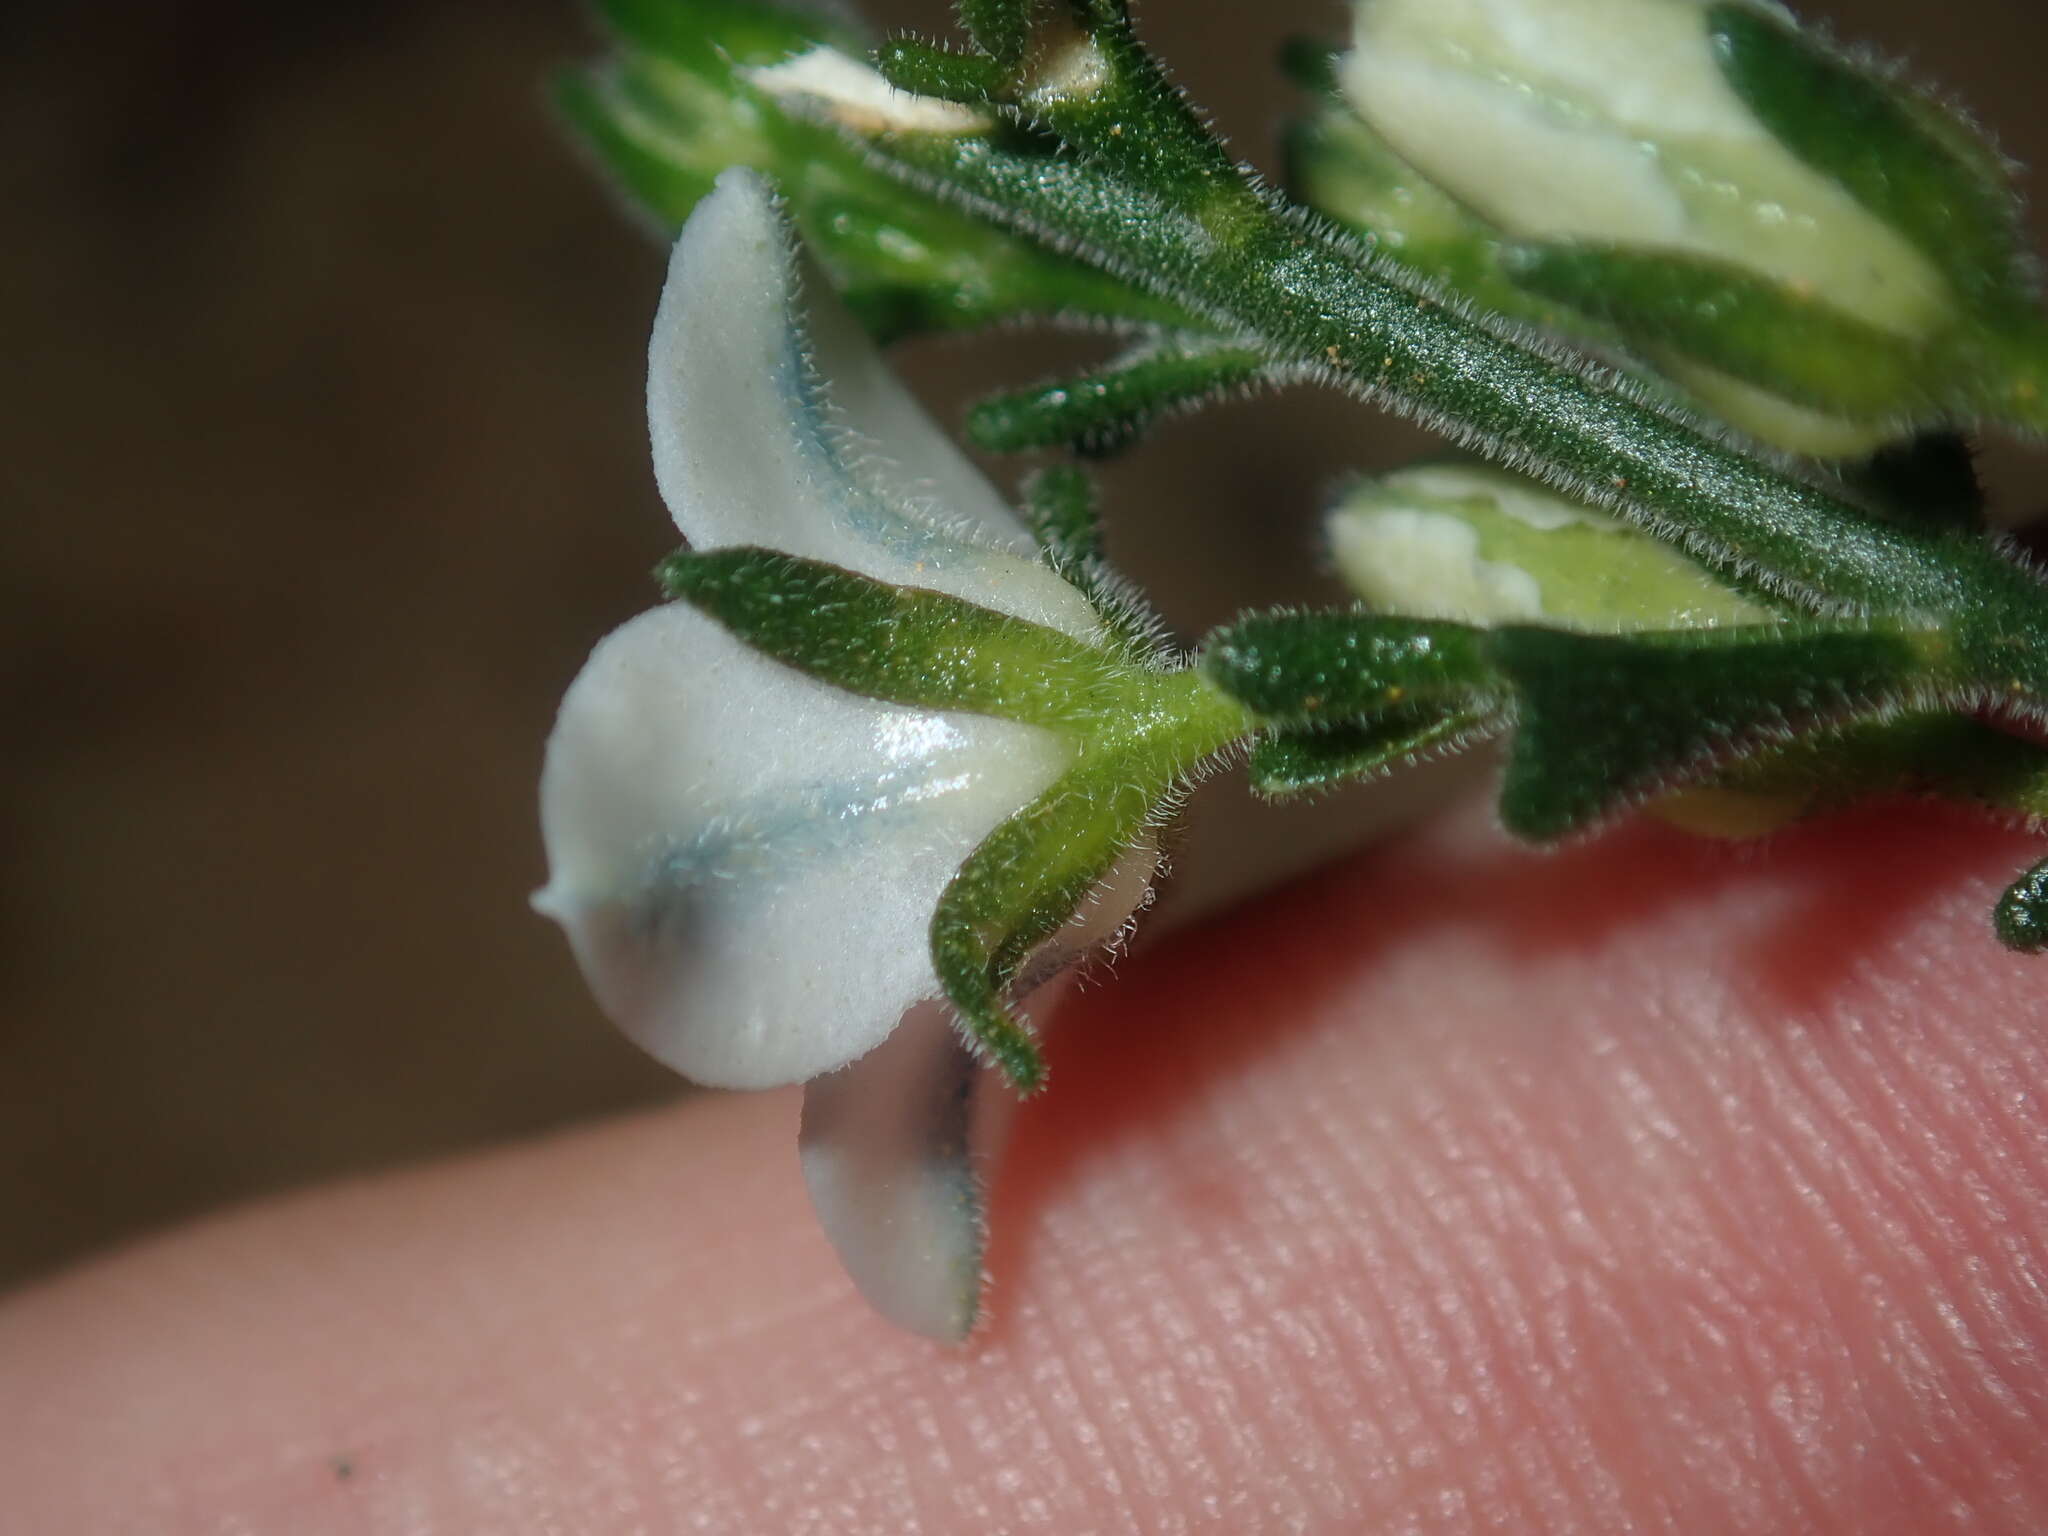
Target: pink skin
(1648,1186)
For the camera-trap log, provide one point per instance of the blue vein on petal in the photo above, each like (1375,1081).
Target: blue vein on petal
(899,531)
(750,845)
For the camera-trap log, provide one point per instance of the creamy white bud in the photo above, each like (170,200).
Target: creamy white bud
(747,860)
(1611,121)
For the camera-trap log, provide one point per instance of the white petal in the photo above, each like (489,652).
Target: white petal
(747,860)
(1428,564)
(886,1156)
(1612,120)
(857,96)
(748,451)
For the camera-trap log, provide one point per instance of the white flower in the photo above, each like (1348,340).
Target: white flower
(746,860)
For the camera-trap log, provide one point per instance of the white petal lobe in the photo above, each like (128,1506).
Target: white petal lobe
(885,1148)
(746,860)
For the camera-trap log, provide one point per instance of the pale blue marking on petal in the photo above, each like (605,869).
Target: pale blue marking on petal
(752,445)
(886,1155)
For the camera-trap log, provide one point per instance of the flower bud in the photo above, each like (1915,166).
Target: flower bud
(695,88)
(1811,250)
(1485,546)
(1482,545)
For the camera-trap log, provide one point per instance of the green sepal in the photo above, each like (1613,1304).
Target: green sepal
(1912,163)
(1292,762)
(932,69)
(1794,344)
(670,112)
(1339,166)
(1000,28)
(711,38)
(1953,756)
(1063,511)
(1060,508)
(1102,411)
(1020,887)
(1311,669)
(1606,720)
(1311,63)
(908,645)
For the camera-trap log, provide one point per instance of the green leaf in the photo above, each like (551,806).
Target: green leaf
(1060,507)
(1604,720)
(712,37)
(1291,762)
(1792,343)
(1104,410)
(931,69)
(670,112)
(1107,98)
(1307,669)
(1000,28)
(904,644)
(1021,886)
(1918,167)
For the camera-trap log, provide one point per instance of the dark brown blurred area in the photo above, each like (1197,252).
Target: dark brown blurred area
(323,465)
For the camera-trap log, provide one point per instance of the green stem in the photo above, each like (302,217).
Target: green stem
(1314,300)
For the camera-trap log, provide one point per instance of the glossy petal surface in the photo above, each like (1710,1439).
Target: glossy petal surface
(746,860)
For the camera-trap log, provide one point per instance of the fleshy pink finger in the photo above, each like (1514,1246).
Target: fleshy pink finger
(1644,1186)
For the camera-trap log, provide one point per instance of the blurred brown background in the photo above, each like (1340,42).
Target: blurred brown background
(323,465)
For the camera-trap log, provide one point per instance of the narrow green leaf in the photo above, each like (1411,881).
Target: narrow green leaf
(1954,756)
(1303,669)
(931,69)
(1792,343)
(1603,720)
(1291,762)
(1000,28)
(1916,166)
(1017,891)
(904,644)
(712,37)
(1105,410)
